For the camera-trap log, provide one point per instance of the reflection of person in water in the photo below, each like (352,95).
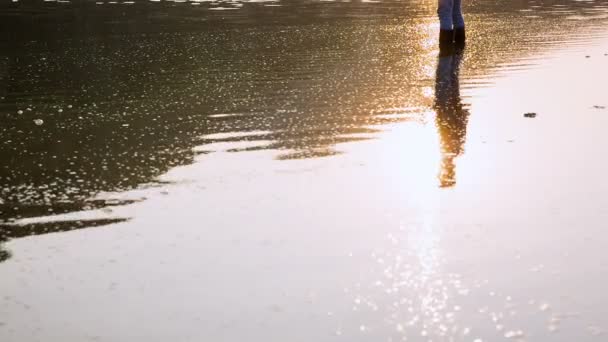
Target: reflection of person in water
(451,117)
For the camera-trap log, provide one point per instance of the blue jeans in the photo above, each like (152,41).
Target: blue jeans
(450,14)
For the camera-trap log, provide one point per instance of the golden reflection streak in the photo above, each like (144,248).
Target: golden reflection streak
(451,120)
(421,291)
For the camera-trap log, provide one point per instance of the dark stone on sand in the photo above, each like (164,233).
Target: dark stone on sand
(529,115)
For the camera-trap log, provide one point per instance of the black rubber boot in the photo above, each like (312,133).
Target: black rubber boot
(447,49)
(446,37)
(459,36)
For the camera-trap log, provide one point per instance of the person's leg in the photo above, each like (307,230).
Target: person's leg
(458,20)
(444,10)
(446,25)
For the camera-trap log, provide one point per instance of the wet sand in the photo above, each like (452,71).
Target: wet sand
(321,178)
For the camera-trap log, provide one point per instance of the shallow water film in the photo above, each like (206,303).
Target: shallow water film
(302,170)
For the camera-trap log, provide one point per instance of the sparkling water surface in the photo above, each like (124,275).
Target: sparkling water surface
(302,171)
